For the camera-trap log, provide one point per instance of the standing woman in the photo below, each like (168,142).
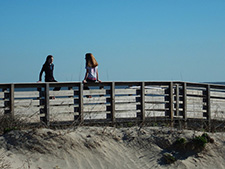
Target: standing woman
(48,68)
(91,74)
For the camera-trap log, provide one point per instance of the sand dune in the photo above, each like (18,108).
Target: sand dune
(105,148)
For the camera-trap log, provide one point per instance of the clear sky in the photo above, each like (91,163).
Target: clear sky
(132,40)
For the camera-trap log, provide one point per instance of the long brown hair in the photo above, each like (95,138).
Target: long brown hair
(90,60)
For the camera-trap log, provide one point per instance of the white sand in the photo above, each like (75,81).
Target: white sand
(104,148)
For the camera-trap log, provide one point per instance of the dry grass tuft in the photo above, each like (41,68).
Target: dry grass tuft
(9,123)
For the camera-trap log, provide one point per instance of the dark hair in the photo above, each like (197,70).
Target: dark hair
(47,58)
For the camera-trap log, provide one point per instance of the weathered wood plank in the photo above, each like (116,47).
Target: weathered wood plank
(123,99)
(217,104)
(94,92)
(95,100)
(195,92)
(26,111)
(26,94)
(125,91)
(155,91)
(94,108)
(215,108)
(195,100)
(2,95)
(2,111)
(60,109)
(153,113)
(154,106)
(155,99)
(126,114)
(218,94)
(93,115)
(195,114)
(195,107)
(26,103)
(61,101)
(68,116)
(217,101)
(2,103)
(219,115)
(129,106)
(62,93)
(126,99)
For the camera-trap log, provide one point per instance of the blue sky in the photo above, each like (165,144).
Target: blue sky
(132,40)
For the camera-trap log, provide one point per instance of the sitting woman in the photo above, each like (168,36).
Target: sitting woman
(91,74)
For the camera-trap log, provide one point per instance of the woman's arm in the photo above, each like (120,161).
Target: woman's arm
(85,77)
(97,76)
(40,75)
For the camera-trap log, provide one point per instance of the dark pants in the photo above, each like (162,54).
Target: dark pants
(53,80)
(88,80)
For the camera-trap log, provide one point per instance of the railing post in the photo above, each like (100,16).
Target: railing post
(171,107)
(177,100)
(208,104)
(142,101)
(12,100)
(81,105)
(47,104)
(113,102)
(185,104)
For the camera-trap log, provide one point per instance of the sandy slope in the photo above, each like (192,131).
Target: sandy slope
(105,147)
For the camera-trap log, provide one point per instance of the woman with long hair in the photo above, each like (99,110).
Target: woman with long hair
(91,74)
(48,68)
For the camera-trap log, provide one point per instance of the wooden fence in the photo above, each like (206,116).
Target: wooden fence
(113,102)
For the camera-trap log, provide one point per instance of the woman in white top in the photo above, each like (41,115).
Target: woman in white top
(91,74)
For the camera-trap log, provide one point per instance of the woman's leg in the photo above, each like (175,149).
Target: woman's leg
(56,88)
(87,88)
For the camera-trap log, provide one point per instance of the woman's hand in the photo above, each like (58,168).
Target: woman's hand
(84,81)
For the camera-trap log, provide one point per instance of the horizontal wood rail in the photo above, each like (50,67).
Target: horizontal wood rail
(113,102)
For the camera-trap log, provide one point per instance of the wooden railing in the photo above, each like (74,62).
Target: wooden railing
(113,102)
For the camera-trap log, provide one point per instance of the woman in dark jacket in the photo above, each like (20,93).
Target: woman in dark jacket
(48,68)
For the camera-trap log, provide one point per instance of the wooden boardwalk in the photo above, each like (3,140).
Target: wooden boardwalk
(113,102)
